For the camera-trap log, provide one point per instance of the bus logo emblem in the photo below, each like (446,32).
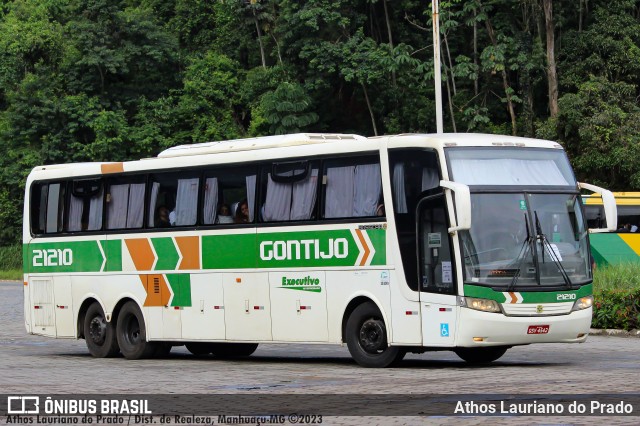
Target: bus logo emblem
(539,309)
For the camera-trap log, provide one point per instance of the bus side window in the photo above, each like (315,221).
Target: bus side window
(125,202)
(289,191)
(173,199)
(47,207)
(39,194)
(352,188)
(225,191)
(85,205)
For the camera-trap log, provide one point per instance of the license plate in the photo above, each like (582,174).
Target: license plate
(538,329)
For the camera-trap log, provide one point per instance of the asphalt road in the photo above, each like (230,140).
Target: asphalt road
(602,365)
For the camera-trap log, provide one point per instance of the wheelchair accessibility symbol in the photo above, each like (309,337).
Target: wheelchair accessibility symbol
(444,330)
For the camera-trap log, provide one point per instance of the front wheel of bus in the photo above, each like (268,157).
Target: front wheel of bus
(481,355)
(132,335)
(99,334)
(366,335)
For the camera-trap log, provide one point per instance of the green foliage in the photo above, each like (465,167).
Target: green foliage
(11,258)
(617,297)
(600,129)
(286,109)
(92,80)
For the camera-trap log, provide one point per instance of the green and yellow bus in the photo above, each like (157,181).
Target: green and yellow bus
(393,244)
(622,245)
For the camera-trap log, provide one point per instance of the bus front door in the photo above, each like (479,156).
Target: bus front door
(437,273)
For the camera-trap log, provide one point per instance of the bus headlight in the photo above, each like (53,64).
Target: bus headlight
(582,303)
(484,305)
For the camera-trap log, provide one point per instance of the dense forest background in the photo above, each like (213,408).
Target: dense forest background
(94,80)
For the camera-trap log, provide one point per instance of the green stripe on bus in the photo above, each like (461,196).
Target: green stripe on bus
(527,297)
(113,250)
(229,251)
(66,256)
(181,287)
(167,254)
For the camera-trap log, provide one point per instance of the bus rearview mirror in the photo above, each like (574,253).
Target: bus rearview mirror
(609,204)
(462,198)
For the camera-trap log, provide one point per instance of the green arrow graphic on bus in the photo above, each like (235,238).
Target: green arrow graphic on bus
(167,254)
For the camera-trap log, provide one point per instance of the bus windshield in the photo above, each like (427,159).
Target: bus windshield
(510,167)
(526,239)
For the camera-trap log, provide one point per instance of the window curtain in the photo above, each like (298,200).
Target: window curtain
(75,214)
(399,195)
(155,189)
(277,205)
(135,214)
(95,212)
(304,197)
(187,202)
(430,178)
(251,195)
(53,207)
(367,185)
(339,192)
(117,206)
(210,209)
(507,172)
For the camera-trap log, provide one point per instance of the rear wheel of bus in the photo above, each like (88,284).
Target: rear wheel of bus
(132,334)
(366,335)
(99,334)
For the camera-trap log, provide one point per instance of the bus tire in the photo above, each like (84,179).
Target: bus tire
(366,336)
(99,334)
(233,350)
(199,348)
(132,335)
(481,355)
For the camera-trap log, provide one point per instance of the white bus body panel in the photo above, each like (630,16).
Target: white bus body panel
(204,320)
(439,319)
(299,315)
(247,309)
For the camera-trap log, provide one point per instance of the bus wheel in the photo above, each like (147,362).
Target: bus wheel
(233,350)
(481,355)
(132,336)
(366,336)
(99,334)
(198,348)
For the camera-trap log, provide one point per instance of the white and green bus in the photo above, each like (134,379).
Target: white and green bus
(393,244)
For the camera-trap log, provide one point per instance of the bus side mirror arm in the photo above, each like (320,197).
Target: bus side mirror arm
(609,203)
(463,205)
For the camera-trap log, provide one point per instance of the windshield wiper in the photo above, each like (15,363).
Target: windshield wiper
(522,255)
(552,253)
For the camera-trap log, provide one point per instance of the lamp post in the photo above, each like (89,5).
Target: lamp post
(436,64)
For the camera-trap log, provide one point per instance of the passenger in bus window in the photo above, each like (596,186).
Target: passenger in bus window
(224,215)
(625,228)
(242,213)
(163,217)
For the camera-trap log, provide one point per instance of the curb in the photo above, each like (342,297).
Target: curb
(613,332)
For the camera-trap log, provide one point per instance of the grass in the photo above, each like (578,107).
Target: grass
(625,276)
(11,263)
(11,275)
